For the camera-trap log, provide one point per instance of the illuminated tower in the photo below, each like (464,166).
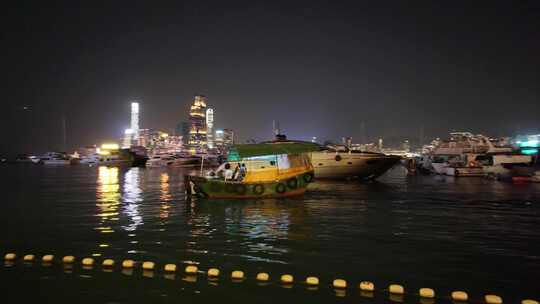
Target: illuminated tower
(135,122)
(128,138)
(197,123)
(210,127)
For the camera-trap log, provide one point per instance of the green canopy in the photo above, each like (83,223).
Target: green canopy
(238,152)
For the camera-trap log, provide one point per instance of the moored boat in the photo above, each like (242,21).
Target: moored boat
(55,158)
(273,169)
(342,163)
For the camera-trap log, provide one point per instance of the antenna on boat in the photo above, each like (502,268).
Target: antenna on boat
(275,128)
(64,148)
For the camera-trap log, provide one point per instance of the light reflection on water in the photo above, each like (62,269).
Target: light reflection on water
(165,195)
(108,198)
(441,231)
(131,199)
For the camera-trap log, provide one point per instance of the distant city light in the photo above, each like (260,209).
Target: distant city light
(101,152)
(128,131)
(110,146)
(135,119)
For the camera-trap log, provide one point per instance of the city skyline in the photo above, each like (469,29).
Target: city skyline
(321,69)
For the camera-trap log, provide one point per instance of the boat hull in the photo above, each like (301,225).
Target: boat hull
(217,188)
(332,165)
(465,171)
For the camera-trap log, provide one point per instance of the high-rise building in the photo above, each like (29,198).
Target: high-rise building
(210,127)
(128,137)
(224,138)
(197,123)
(135,122)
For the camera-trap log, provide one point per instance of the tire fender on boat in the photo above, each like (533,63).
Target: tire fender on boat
(308,177)
(281,188)
(240,189)
(292,183)
(258,189)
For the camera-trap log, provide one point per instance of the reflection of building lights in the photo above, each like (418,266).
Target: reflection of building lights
(165,196)
(131,198)
(108,197)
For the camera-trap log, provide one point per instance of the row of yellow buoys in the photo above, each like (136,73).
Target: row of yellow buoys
(366,286)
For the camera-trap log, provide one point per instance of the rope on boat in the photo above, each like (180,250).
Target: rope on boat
(367,288)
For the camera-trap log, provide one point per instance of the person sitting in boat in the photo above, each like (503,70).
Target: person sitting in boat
(221,171)
(228,173)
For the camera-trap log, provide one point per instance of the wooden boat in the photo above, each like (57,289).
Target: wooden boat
(273,169)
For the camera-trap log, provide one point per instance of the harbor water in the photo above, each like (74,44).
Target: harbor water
(470,234)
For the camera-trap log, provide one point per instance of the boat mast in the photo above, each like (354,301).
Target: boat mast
(64,148)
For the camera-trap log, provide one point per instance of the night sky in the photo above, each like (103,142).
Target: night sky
(321,68)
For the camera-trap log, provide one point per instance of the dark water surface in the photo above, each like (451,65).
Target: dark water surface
(448,234)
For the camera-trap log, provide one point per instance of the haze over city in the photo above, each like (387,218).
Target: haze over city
(320,68)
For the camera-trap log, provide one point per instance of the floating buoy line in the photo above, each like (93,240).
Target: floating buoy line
(367,288)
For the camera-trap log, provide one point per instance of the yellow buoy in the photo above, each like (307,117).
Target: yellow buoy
(461,296)
(529,301)
(213,272)
(148,265)
(237,275)
(191,269)
(47,258)
(313,281)
(10,256)
(29,258)
(170,268)
(427,293)
(339,283)
(396,289)
(108,263)
(493,299)
(128,264)
(68,259)
(88,262)
(263,277)
(367,286)
(287,279)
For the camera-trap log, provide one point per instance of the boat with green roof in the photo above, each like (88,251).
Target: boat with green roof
(266,170)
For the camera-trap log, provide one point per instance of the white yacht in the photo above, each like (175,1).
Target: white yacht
(54,158)
(465,154)
(499,165)
(98,159)
(339,162)
(170,159)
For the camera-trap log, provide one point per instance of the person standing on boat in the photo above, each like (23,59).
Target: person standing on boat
(242,172)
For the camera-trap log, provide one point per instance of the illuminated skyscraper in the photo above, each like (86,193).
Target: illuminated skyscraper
(197,123)
(224,138)
(210,127)
(128,137)
(135,122)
